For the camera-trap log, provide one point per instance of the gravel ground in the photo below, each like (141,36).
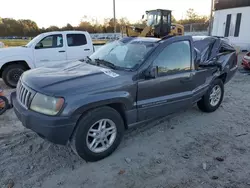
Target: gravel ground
(191,149)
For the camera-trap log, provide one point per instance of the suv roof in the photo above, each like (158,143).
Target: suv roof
(140,39)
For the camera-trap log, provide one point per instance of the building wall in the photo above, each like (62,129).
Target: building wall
(226,4)
(219,26)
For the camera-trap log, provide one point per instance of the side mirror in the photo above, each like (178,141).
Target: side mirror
(151,72)
(39,45)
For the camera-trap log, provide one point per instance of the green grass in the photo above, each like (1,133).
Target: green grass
(14,42)
(20,42)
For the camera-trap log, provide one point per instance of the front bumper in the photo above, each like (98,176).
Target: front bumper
(56,129)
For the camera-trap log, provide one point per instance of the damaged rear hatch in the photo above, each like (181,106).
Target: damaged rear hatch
(215,51)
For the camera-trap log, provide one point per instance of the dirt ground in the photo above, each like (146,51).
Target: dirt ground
(190,150)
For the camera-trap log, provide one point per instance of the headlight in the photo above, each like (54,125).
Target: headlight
(46,104)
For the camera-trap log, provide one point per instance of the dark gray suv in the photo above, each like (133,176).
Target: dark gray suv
(90,103)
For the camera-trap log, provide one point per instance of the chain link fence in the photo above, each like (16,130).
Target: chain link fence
(199,29)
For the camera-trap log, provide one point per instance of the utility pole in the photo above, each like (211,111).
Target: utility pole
(211,18)
(114,16)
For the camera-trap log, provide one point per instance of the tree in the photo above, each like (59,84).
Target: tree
(29,28)
(173,20)
(85,26)
(52,28)
(67,27)
(191,15)
(193,21)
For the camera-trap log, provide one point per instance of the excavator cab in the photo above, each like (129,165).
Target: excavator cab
(160,22)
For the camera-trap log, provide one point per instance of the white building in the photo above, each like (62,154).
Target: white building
(232,20)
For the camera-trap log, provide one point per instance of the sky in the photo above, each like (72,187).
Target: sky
(60,12)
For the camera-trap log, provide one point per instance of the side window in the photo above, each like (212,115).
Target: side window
(51,41)
(175,58)
(76,40)
(166,19)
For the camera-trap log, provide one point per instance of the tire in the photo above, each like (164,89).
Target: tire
(207,105)
(6,104)
(81,142)
(12,73)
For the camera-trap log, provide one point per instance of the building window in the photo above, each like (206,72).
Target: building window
(237,27)
(233,25)
(228,22)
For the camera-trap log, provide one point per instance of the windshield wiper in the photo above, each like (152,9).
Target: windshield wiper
(88,60)
(106,63)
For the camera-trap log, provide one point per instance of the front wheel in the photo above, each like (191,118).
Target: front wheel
(12,73)
(98,134)
(213,98)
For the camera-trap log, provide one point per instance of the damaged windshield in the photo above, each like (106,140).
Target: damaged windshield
(122,55)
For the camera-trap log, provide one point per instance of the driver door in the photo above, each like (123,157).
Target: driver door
(172,89)
(50,51)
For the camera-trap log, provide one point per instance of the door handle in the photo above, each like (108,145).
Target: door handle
(62,51)
(86,49)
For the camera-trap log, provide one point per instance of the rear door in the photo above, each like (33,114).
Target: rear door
(50,50)
(171,90)
(78,46)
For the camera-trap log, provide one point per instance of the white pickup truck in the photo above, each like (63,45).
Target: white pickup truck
(45,49)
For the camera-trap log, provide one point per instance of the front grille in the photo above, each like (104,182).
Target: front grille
(24,94)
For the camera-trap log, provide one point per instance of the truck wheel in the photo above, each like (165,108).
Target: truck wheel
(12,73)
(213,98)
(98,134)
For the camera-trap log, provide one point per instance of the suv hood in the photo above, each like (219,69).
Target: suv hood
(70,77)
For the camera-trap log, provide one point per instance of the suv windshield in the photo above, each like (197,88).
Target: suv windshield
(123,55)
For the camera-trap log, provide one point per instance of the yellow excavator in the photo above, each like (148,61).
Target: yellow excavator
(159,25)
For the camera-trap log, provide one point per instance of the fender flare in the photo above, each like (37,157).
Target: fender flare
(17,58)
(93,101)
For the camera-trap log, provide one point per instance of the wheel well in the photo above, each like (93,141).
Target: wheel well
(223,77)
(120,108)
(23,63)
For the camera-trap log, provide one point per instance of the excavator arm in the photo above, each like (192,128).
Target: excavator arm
(145,31)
